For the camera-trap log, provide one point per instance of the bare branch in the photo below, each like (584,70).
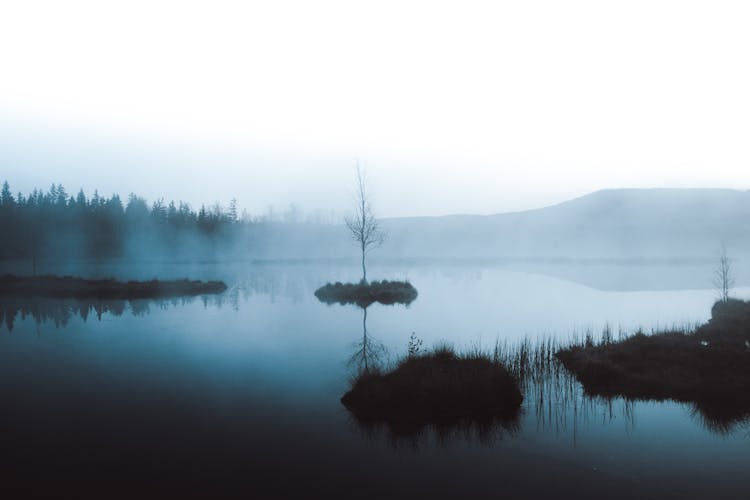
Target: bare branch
(362,225)
(724,275)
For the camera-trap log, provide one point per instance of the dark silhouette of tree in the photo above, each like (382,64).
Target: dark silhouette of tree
(54,225)
(363,226)
(6,198)
(233,210)
(51,225)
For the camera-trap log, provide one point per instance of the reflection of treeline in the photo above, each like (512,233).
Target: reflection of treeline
(69,286)
(55,224)
(60,311)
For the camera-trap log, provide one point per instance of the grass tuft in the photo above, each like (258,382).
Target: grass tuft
(439,387)
(363,294)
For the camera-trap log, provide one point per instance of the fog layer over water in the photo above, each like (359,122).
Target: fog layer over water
(242,390)
(667,225)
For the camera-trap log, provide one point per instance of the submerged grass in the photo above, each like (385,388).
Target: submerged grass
(708,367)
(363,294)
(72,287)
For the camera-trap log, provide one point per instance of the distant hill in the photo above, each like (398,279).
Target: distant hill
(617,223)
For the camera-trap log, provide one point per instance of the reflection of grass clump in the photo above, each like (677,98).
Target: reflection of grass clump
(68,286)
(364,294)
(709,367)
(440,387)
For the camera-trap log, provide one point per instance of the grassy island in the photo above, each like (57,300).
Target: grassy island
(364,294)
(71,287)
(440,387)
(709,367)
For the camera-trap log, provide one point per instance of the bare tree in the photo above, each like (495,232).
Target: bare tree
(724,275)
(363,225)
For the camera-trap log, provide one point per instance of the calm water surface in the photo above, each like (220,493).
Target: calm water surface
(240,393)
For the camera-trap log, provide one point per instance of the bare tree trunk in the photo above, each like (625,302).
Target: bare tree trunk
(363,209)
(363,226)
(364,269)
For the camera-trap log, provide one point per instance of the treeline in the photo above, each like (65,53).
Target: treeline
(55,225)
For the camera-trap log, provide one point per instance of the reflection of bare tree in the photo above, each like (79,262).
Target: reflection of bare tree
(369,353)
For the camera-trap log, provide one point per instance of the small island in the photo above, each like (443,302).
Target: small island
(364,228)
(363,294)
(72,287)
(439,387)
(709,367)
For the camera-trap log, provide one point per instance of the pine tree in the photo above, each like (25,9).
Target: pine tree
(6,198)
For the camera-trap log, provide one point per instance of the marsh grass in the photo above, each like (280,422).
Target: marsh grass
(452,393)
(363,294)
(707,366)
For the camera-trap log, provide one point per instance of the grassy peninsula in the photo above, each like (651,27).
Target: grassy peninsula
(709,367)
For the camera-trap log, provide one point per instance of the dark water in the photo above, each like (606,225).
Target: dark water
(240,393)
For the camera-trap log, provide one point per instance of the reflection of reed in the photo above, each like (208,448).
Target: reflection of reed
(552,394)
(560,404)
(60,311)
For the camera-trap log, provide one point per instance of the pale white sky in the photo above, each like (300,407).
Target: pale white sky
(459,106)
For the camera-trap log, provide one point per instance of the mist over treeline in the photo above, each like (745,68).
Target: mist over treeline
(56,225)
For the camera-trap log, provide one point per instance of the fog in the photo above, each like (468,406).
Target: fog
(617,240)
(484,109)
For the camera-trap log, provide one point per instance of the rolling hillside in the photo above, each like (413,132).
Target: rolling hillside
(623,223)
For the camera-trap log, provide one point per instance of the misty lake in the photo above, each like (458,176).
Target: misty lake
(240,392)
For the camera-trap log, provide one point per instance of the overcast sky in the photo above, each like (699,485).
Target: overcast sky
(454,107)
